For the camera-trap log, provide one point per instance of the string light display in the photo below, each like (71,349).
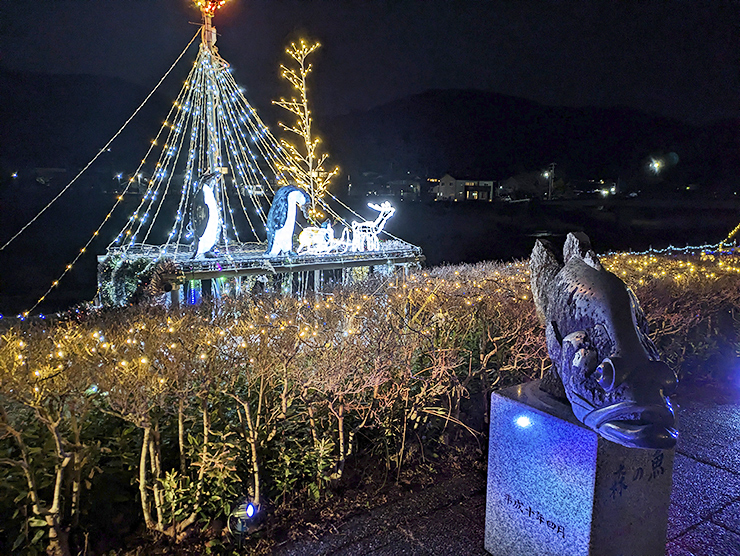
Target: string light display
(683,266)
(730,237)
(422,291)
(118,200)
(212,128)
(244,149)
(305,163)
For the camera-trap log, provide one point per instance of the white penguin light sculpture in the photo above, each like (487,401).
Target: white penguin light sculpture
(206,218)
(281,219)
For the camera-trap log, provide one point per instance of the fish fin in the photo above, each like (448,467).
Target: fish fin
(577,244)
(543,266)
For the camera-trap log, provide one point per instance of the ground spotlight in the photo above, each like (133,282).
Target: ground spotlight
(244,519)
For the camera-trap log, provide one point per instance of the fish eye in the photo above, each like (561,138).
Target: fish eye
(605,375)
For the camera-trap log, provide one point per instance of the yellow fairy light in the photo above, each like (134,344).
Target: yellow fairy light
(209,7)
(304,163)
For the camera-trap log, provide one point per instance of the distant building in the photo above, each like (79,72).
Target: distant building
(527,185)
(451,189)
(406,189)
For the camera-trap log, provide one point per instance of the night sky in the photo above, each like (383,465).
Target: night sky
(673,58)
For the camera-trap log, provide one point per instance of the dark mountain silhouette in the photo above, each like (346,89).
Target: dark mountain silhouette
(62,121)
(487,135)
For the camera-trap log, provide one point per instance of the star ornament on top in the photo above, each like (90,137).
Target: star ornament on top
(209,7)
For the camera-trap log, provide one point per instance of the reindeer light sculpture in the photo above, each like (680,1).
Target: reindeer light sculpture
(365,234)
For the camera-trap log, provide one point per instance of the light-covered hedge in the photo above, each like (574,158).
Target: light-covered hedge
(176,414)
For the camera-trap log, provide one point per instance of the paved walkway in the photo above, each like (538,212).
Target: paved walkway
(704,515)
(449,518)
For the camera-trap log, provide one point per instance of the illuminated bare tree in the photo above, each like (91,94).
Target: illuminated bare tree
(306,163)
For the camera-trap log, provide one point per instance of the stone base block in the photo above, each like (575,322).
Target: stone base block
(556,488)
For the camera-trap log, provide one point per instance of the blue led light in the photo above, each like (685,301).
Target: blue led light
(523,421)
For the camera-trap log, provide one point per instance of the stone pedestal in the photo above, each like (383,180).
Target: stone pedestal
(556,488)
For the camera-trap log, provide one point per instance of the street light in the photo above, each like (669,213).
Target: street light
(549,174)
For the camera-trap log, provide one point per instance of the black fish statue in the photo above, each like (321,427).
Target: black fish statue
(597,338)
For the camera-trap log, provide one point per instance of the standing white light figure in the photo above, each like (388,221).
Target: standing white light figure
(206,218)
(281,219)
(365,234)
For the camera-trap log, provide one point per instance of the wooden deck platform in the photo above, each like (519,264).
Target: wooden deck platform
(249,259)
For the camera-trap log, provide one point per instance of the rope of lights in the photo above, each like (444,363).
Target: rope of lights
(161,171)
(101,151)
(221,131)
(732,234)
(193,106)
(242,146)
(259,133)
(178,139)
(195,149)
(179,104)
(670,249)
(119,198)
(132,218)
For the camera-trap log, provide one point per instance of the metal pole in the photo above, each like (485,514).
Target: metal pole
(550,177)
(208,40)
(208,32)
